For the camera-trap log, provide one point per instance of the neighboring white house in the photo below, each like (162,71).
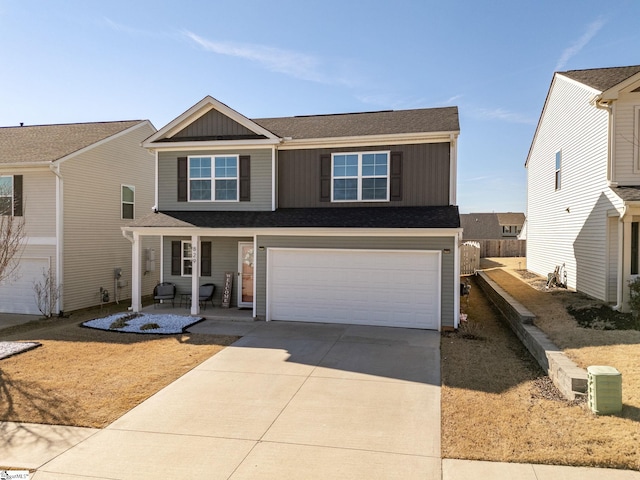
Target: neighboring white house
(75,186)
(583,182)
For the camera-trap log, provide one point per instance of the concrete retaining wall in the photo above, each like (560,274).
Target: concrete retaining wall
(566,375)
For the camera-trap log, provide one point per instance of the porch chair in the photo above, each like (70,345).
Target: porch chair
(205,294)
(164,291)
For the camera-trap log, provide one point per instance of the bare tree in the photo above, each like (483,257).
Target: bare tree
(12,238)
(47,293)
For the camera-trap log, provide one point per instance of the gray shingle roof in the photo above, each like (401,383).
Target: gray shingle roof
(602,78)
(424,120)
(628,194)
(47,143)
(355,217)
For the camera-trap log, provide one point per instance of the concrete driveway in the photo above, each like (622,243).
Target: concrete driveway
(288,400)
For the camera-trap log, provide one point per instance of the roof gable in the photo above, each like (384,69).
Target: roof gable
(210,121)
(48,143)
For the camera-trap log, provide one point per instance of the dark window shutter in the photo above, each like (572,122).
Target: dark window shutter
(205,259)
(395,177)
(325,178)
(17,195)
(245,178)
(176,258)
(182,179)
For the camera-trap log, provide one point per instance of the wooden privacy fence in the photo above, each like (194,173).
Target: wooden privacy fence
(469,258)
(502,248)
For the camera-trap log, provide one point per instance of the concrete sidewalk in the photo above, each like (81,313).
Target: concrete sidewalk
(288,400)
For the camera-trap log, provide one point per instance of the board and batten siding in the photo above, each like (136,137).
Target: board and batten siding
(93,242)
(626,140)
(382,243)
(425,176)
(569,226)
(261,179)
(224,258)
(214,124)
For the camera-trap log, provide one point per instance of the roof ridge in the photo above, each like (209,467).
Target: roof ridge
(70,124)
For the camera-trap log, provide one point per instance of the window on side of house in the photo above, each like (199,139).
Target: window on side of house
(510,230)
(360,177)
(128,201)
(558,169)
(187,262)
(213,178)
(6,195)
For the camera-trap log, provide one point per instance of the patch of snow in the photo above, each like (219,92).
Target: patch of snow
(168,323)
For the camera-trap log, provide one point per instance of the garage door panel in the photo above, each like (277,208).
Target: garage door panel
(391,288)
(17,295)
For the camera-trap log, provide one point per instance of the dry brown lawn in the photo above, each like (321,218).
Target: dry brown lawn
(89,378)
(497,404)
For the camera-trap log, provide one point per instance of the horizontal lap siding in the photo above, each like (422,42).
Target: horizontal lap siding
(39,199)
(627,138)
(383,243)
(260,182)
(93,242)
(425,176)
(577,237)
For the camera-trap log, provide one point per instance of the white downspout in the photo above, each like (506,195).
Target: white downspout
(55,169)
(619,277)
(456,281)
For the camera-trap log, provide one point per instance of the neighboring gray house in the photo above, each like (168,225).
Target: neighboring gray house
(491,226)
(583,182)
(75,185)
(346,218)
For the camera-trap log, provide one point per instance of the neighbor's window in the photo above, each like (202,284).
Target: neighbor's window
(558,168)
(128,201)
(6,195)
(213,178)
(510,229)
(187,263)
(360,177)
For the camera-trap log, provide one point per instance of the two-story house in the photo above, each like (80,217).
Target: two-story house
(75,186)
(346,218)
(583,182)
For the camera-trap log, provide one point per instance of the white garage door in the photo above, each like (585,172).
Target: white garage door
(364,287)
(16,294)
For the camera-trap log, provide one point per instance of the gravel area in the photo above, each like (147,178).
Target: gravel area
(8,349)
(143,323)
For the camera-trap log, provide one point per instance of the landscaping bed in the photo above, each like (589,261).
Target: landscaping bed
(89,378)
(498,405)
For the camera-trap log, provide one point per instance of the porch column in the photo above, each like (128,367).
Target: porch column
(195,274)
(136,276)
(626,261)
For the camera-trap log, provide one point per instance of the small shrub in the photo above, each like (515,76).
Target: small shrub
(150,326)
(634,301)
(119,323)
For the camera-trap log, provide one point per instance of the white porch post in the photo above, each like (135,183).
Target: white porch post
(195,274)
(136,273)
(626,262)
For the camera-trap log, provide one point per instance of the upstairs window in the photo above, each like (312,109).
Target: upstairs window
(510,230)
(558,169)
(6,195)
(128,202)
(360,177)
(213,179)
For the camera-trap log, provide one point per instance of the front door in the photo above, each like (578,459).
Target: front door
(245,275)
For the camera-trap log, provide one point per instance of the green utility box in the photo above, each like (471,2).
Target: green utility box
(605,390)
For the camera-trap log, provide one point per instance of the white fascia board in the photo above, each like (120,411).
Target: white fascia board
(15,167)
(295,231)
(201,108)
(102,142)
(176,146)
(368,140)
(613,92)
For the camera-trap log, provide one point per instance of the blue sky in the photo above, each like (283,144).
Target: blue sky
(80,61)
